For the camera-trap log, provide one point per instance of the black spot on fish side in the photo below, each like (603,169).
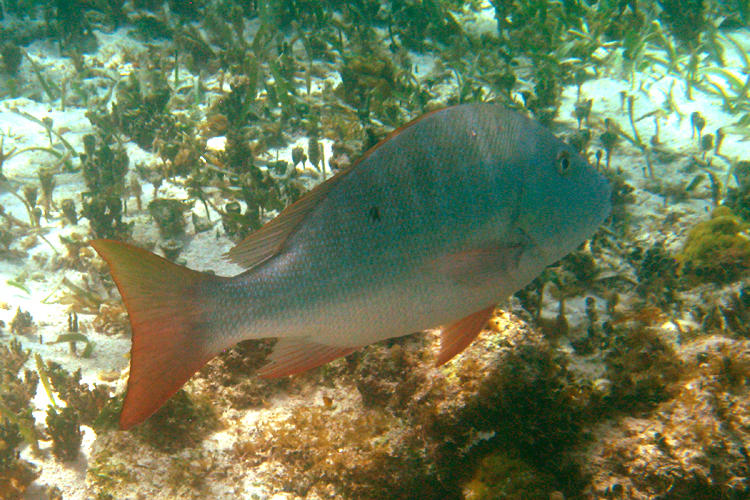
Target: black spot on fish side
(563,162)
(374,213)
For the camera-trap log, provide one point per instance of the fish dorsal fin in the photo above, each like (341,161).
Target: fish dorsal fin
(295,355)
(456,337)
(268,240)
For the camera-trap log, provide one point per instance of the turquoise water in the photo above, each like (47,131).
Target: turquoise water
(183,127)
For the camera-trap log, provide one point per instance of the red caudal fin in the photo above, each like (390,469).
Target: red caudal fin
(170,339)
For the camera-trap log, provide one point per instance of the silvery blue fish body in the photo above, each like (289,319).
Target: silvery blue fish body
(432,227)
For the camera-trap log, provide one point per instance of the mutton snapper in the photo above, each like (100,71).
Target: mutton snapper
(433,226)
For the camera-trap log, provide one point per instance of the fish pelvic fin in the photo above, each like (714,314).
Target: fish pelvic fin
(457,336)
(168,319)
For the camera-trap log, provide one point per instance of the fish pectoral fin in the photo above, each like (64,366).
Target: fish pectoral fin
(456,337)
(296,355)
(479,265)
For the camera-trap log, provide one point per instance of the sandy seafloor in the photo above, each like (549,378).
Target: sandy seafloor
(204,250)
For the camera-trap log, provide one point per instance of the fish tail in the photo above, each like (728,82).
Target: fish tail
(169,322)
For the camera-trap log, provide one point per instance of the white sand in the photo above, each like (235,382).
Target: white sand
(204,251)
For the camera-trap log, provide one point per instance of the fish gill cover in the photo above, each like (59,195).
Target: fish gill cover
(184,127)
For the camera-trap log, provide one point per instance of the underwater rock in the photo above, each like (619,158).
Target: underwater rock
(512,417)
(413,426)
(692,446)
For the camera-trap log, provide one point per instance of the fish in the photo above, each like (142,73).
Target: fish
(431,227)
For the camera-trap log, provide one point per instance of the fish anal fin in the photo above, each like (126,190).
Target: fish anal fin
(268,240)
(457,336)
(293,355)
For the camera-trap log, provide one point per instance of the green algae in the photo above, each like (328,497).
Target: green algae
(107,471)
(16,420)
(87,401)
(104,166)
(501,475)
(64,428)
(717,249)
(183,421)
(169,216)
(642,368)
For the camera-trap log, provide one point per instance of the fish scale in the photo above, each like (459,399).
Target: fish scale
(433,226)
(342,254)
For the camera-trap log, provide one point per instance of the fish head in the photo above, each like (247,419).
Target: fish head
(562,200)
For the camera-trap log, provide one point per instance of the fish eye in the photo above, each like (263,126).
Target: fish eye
(563,162)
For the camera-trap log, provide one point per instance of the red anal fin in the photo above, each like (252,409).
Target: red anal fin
(292,356)
(456,337)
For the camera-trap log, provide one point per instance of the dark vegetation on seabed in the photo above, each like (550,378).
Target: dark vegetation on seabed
(256,74)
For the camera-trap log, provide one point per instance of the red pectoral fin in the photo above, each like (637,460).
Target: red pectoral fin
(479,265)
(456,337)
